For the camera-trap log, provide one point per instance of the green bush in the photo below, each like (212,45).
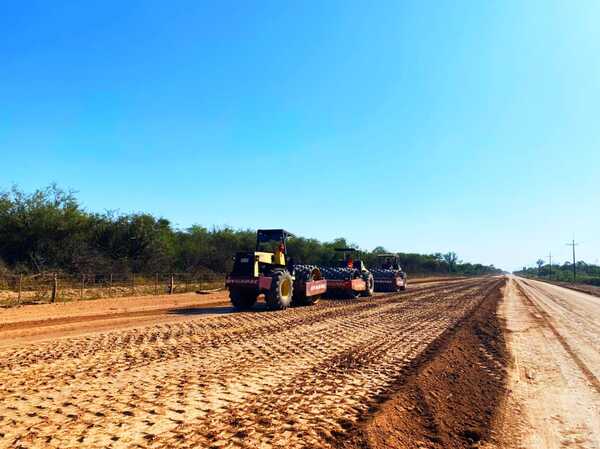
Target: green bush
(585,273)
(48,230)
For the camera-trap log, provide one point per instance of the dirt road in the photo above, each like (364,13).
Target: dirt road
(554,336)
(196,378)
(40,322)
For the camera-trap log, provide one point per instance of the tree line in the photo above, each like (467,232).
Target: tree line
(48,230)
(585,273)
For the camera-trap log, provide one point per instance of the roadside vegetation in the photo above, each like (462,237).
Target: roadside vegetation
(585,273)
(49,230)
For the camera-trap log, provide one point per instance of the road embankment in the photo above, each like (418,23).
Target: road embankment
(452,395)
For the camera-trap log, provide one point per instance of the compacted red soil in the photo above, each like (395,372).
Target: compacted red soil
(451,395)
(191,372)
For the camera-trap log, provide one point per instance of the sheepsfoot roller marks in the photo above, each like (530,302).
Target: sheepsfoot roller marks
(267,272)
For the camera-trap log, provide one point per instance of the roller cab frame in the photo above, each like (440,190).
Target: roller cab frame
(388,275)
(267,271)
(356,281)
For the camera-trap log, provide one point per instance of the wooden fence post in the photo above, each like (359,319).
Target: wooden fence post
(20,288)
(172,284)
(133,284)
(82,286)
(156,284)
(35,287)
(110,282)
(54,288)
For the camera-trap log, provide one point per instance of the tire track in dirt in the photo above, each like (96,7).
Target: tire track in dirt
(546,320)
(77,370)
(450,395)
(344,385)
(231,380)
(221,331)
(563,306)
(156,311)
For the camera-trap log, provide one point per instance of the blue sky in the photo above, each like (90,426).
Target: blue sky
(420,126)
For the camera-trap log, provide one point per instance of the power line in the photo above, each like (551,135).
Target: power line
(573,245)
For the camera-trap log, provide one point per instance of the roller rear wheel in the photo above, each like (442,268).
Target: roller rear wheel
(242,299)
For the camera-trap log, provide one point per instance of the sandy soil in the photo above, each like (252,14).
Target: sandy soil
(584,288)
(31,323)
(201,376)
(554,338)
(38,322)
(453,393)
(105,306)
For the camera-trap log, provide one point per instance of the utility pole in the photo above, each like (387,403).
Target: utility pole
(573,245)
(550,274)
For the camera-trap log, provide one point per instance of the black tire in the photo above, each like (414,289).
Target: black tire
(394,286)
(385,289)
(353,294)
(370,286)
(311,300)
(282,291)
(242,299)
(306,300)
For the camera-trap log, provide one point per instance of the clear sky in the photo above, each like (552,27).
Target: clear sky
(421,126)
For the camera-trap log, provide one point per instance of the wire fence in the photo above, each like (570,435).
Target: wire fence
(59,287)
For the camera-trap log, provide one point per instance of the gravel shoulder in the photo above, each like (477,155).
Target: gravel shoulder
(583,288)
(554,338)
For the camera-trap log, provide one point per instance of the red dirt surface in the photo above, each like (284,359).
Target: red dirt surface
(451,394)
(203,376)
(41,321)
(30,323)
